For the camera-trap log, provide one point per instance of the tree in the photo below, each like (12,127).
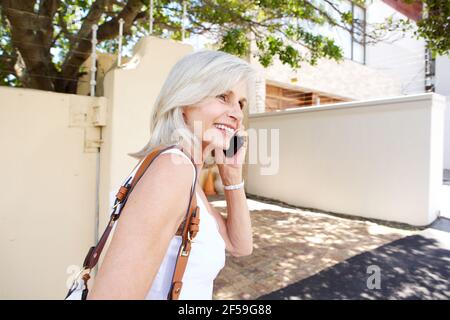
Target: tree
(44,42)
(434,26)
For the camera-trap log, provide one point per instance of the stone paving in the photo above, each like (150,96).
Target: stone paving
(415,267)
(291,244)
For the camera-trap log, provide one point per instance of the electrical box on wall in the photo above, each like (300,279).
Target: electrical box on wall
(91,117)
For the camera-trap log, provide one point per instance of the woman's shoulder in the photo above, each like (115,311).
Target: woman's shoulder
(163,190)
(177,156)
(170,168)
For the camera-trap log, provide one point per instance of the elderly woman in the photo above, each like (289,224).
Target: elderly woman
(199,107)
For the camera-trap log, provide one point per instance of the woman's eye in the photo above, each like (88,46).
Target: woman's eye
(222,96)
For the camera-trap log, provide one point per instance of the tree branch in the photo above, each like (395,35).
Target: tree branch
(8,62)
(110,29)
(35,55)
(48,9)
(78,54)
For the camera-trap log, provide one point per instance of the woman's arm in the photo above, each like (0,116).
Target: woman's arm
(236,228)
(147,223)
(239,227)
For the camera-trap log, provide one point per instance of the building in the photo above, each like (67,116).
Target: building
(398,65)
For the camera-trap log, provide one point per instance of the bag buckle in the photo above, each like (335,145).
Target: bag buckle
(77,277)
(183,251)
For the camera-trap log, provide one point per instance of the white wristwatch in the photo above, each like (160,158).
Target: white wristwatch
(234,186)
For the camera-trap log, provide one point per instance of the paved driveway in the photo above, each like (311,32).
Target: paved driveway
(309,255)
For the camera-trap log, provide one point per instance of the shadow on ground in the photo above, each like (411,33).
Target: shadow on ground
(414,267)
(291,245)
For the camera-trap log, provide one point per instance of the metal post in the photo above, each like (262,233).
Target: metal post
(151,18)
(183,21)
(93,83)
(119,57)
(94,59)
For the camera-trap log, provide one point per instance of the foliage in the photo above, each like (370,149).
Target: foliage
(43,43)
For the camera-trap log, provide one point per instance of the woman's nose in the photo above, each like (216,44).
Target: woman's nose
(237,113)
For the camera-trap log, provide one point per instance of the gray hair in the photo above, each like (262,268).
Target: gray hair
(192,79)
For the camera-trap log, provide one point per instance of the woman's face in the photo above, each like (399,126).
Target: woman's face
(215,120)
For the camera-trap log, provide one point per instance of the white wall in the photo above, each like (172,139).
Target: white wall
(447,136)
(442,79)
(377,159)
(442,86)
(400,57)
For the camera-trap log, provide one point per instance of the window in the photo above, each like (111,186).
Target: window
(352,44)
(430,71)
(358,30)
(280,98)
(352,39)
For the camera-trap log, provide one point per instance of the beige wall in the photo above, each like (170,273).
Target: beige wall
(105,63)
(49,217)
(48,170)
(53,161)
(378,159)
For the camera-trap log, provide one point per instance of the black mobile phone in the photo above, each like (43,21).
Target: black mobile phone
(235,143)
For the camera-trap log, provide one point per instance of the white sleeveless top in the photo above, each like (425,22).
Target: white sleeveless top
(206,259)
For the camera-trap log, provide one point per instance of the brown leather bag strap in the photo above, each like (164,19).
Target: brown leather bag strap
(189,226)
(190,230)
(122,195)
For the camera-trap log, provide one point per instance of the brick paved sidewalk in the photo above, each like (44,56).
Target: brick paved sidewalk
(292,244)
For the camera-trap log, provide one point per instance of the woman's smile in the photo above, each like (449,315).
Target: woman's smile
(226,131)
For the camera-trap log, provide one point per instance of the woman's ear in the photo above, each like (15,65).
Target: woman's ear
(182,113)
